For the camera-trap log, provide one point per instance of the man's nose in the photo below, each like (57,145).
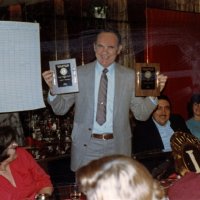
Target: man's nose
(105,49)
(163,111)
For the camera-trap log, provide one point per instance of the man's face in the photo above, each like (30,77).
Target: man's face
(107,48)
(162,113)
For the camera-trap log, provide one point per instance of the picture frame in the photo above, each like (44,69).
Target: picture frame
(146,79)
(65,76)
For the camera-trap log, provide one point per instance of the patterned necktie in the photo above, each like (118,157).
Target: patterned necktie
(102,98)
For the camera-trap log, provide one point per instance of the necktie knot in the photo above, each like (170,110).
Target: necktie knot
(105,70)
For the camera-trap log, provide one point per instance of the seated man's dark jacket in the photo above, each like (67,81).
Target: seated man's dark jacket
(146,136)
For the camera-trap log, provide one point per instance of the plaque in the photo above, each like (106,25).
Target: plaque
(146,80)
(65,76)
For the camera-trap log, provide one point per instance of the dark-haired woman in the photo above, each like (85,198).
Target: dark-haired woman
(21,178)
(193,123)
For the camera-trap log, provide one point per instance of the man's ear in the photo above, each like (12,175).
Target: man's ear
(119,49)
(94,46)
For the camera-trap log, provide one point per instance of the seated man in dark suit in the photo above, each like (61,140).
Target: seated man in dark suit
(154,134)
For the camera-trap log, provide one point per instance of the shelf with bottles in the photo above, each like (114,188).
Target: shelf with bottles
(46,134)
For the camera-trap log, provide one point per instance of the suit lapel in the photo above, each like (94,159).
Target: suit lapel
(90,92)
(118,89)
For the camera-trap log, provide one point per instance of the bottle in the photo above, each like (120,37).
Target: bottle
(42,197)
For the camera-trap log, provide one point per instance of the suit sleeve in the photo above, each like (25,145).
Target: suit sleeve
(62,103)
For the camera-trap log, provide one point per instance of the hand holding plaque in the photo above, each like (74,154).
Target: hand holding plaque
(146,81)
(65,76)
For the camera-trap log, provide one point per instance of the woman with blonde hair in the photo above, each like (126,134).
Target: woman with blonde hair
(118,177)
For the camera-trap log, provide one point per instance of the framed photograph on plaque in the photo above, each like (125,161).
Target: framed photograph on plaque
(146,79)
(65,76)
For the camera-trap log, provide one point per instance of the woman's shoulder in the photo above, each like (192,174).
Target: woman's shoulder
(190,121)
(23,157)
(22,151)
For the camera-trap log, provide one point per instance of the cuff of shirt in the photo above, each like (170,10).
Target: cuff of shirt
(51,97)
(154,100)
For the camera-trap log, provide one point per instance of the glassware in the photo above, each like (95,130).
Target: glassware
(42,197)
(75,193)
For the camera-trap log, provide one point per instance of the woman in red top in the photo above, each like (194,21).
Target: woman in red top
(21,178)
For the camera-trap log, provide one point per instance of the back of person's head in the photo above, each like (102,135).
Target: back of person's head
(7,136)
(118,177)
(194,99)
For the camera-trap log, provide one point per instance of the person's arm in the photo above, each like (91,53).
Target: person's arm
(154,100)
(162,79)
(142,107)
(60,103)
(41,178)
(48,77)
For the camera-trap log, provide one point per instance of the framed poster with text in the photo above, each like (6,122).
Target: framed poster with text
(65,76)
(146,79)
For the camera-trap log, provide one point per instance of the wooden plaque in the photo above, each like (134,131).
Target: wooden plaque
(146,79)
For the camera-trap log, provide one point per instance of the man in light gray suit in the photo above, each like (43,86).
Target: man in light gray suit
(91,140)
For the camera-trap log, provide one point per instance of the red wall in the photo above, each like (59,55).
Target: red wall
(174,42)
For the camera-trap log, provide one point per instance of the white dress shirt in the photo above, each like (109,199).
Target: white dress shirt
(165,132)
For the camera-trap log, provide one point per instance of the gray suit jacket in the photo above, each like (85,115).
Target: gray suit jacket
(124,100)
